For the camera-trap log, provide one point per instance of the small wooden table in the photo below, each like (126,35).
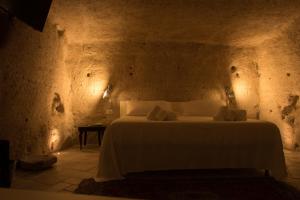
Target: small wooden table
(83,130)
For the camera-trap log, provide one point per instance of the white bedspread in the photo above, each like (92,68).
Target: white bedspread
(135,144)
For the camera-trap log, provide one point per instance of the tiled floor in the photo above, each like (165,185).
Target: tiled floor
(74,165)
(292,159)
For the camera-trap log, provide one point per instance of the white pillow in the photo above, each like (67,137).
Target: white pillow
(201,107)
(142,108)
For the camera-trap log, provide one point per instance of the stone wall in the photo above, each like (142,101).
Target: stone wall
(178,50)
(173,50)
(158,70)
(233,23)
(35,90)
(279,63)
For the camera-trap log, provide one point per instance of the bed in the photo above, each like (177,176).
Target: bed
(136,144)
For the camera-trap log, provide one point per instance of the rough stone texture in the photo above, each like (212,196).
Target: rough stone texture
(32,72)
(147,49)
(279,61)
(157,70)
(245,80)
(234,22)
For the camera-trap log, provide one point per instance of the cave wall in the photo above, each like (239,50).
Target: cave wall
(54,81)
(173,50)
(35,90)
(279,61)
(233,23)
(158,70)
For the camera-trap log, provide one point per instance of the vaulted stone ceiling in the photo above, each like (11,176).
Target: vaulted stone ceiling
(228,22)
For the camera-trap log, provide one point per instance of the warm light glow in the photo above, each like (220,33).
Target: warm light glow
(287,134)
(241,90)
(93,90)
(105,94)
(96,88)
(53,140)
(107,91)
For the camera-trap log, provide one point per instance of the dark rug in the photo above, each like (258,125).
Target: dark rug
(200,184)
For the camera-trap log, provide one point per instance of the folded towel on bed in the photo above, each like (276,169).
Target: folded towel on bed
(230,114)
(159,114)
(152,114)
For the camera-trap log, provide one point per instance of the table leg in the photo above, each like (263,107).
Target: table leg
(99,138)
(80,139)
(85,137)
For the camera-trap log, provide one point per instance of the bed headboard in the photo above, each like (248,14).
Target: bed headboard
(189,108)
(141,107)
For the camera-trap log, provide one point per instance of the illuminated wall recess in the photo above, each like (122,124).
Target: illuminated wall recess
(54,140)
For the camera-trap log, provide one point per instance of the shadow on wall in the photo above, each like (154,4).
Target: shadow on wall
(169,70)
(57,105)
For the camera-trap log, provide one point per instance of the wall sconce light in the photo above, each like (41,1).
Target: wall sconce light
(107,91)
(107,95)
(230,97)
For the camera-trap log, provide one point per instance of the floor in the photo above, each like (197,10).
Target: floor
(292,159)
(74,165)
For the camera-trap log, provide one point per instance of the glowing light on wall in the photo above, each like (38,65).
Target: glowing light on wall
(107,91)
(105,94)
(241,90)
(96,88)
(93,90)
(287,134)
(54,139)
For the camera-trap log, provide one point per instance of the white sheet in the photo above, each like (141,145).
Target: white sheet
(135,144)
